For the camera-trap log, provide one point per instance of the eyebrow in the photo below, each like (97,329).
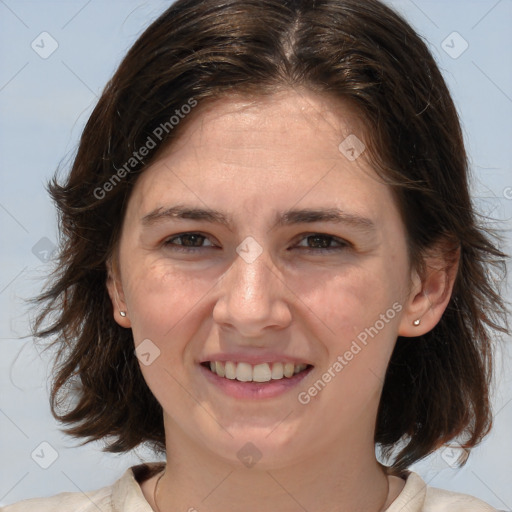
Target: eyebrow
(287,218)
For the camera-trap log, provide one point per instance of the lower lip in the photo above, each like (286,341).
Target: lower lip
(255,390)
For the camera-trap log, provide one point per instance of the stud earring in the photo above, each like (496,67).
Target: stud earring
(122,313)
(417,322)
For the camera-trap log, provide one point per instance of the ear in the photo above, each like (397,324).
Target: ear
(431,290)
(116,293)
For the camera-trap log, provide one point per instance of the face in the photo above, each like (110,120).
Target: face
(257,244)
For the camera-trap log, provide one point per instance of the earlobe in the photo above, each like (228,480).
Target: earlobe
(430,295)
(118,302)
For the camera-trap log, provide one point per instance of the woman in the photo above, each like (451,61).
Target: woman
(271,264)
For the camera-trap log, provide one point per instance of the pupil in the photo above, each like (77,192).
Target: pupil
(192,240)
(319,241)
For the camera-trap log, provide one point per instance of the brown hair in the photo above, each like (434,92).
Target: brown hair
(360,51)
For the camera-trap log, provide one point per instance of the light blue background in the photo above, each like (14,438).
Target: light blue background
(44,104)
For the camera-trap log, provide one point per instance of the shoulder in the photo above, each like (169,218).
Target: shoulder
(417,496)
(440,500)
(67,501)
(124,495)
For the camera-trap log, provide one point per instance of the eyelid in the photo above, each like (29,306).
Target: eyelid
(167,241)
(341,243)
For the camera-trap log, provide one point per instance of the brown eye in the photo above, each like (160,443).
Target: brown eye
(192,240)
(186,241)
(318,242)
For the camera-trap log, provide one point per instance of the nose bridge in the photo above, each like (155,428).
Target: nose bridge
(251,281)
(252,295)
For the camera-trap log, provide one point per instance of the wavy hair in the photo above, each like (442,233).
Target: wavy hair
(359,51)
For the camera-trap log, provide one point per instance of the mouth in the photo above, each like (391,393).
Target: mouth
(261,373)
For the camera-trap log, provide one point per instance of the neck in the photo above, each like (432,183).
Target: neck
(340,479)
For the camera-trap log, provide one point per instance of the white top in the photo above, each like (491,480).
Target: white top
(125,495)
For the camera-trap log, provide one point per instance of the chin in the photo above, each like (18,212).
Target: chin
(262,447)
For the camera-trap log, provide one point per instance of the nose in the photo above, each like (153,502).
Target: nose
(253,298)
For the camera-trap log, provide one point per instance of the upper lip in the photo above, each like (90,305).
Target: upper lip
(260,358)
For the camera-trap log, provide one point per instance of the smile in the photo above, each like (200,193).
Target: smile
(246,372)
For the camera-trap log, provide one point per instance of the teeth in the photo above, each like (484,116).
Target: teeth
(277,371)
(229,370)
(245,372)
(261,373)
(219,369)
(288,369)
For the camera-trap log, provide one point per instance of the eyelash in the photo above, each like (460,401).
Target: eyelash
(342,244)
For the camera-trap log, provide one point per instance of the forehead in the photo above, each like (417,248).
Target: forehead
(291,146)
(291,114)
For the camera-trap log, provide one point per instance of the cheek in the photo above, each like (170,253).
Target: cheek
(351,299)
(359,313)
(164,301)
(355,314)
(168,308)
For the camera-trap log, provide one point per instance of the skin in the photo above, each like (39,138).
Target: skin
(251,159)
